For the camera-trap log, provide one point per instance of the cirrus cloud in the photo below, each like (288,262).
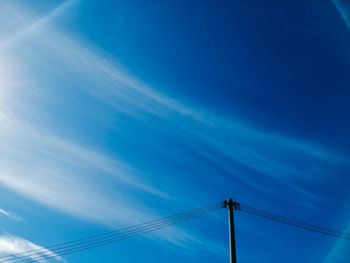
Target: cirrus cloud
(10,245)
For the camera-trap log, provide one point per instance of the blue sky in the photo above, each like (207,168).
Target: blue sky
(117,112)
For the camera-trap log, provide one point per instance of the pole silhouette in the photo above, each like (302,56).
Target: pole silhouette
(232,205)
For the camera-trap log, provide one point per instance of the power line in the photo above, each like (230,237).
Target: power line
(109,237)
(110,233)
(103,239)
(293,222)
(134,233)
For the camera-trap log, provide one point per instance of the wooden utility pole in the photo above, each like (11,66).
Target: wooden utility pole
(232,205)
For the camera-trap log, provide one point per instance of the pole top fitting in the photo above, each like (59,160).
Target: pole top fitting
(232,204)
(228,203)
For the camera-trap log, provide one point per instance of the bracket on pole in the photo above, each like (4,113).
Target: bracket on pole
(236,205)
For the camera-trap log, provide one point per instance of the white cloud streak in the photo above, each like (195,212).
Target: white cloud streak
(67,176)
(13,245)
(76,180)
(24,26)
(10,215)
(344,10)
(340,253)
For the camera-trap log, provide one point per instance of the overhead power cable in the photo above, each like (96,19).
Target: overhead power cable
(293,222)
(85,243)
(108,237)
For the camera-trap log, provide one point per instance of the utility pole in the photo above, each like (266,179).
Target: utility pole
(232,205)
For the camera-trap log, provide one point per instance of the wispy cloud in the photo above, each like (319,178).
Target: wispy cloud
(267,153)
(340,253)
(67,176)
(279,158)
(10,215)
(13,245)
(344,10)
(77,181)
(24,26)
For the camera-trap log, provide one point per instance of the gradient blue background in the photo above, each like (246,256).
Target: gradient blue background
(117,112)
